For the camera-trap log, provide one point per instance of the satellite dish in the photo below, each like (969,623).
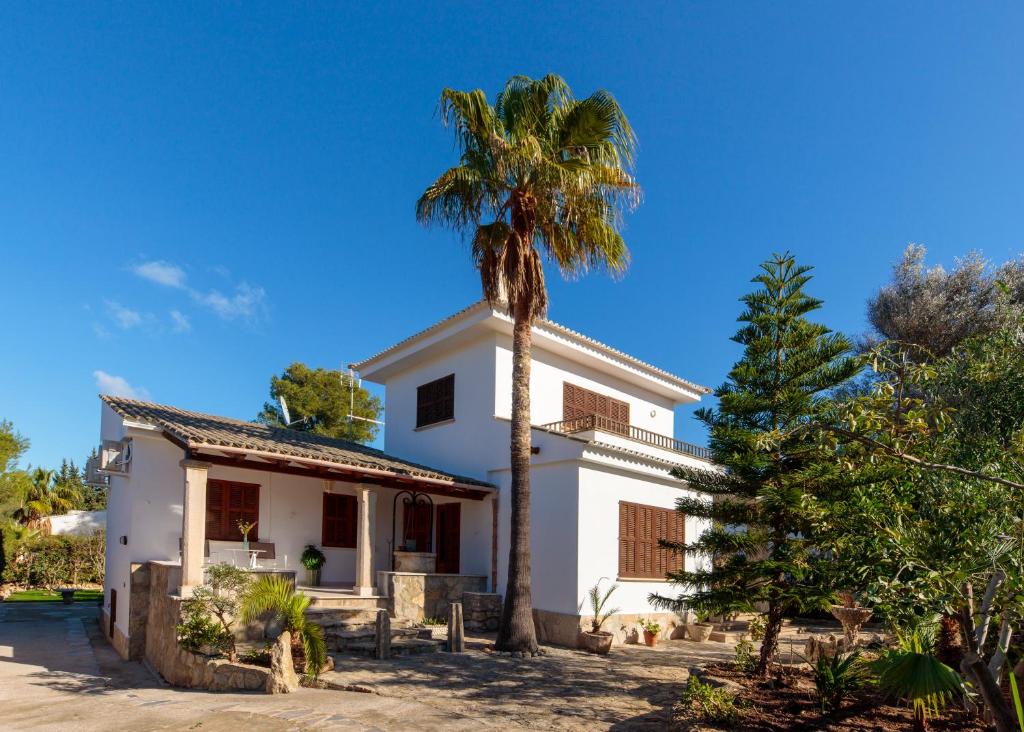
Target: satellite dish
(284,409)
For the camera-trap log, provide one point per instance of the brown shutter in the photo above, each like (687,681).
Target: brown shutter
(339,520)
(227,503)
(640,529)
(214,509)
(579,402)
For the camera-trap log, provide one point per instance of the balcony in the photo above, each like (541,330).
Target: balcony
(599,423)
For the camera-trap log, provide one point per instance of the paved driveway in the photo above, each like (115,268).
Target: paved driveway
(58,673)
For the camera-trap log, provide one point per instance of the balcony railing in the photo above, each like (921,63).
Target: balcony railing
(637,434)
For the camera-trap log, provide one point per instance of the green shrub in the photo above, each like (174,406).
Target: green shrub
(198,631)
(708,703)
(838,676)
(745,660)
(758,625)
(53,561)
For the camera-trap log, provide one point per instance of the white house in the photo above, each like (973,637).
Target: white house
(391,526)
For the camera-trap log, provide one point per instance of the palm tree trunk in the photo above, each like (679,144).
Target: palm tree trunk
(516,631)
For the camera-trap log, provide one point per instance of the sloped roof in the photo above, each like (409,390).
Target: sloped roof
(562,330)
(196,430)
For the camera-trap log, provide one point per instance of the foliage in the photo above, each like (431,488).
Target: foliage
(51,561)
(13,482)
(913,674)
(273,593)
(1018,707)
(765,497)
(650,626)
(197,632)
(47,596)
(708,703)
(934,310)
(597,606)
(744,659)
(937,448)
(836,677)
(45,497)
(540,174)
(431,620)
(217,602)
(312,557)
(757,626)
(322,397)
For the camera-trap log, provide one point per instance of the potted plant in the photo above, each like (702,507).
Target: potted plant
(313,560)
(700,630)
(651,630)
(596,640)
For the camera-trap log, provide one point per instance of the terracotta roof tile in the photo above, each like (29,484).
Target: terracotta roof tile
(195,429)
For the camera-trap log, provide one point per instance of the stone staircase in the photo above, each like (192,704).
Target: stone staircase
(353,631)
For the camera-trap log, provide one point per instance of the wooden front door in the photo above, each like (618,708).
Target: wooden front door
(449,524)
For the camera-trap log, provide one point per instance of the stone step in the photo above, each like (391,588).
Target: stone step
(399,647)
(348,602)
(335,615)
(346,639)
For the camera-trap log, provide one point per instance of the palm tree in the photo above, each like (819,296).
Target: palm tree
(540,175)
(45,497)
(274,593)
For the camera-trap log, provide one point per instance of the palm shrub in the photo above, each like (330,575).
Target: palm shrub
(45,496)
(541,174)
(277,595)
(598,602)
(913,674)
(836,677)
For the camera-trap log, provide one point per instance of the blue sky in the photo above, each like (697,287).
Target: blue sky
(267,158)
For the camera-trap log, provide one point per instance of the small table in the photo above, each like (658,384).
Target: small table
(67,594)
(253,554)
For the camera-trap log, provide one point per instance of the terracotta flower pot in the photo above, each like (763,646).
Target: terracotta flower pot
(599,642)
(650,638)
(699,632)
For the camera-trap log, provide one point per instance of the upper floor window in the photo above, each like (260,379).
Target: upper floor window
(228,503)
(435,402)
(579,402)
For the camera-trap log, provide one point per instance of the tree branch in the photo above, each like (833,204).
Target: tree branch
(914,460)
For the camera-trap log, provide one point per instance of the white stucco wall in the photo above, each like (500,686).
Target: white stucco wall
(76,523)
(471,444)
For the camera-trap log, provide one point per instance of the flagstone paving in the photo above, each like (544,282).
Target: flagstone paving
(58,673)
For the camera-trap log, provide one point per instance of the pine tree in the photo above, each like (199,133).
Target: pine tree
(763,498)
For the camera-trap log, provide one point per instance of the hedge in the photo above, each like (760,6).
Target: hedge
(53,561)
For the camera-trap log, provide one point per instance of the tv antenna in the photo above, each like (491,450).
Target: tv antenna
(305,421)
(352,400)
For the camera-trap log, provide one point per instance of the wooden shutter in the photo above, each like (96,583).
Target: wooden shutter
(227,503)
(215,519)
(435,401)
(640,529)
(579,402)
(339,520)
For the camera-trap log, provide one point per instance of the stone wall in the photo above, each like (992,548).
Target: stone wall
(176,665)
(414,596)
(425,562)
(481,610)
(563,629)
(138,611)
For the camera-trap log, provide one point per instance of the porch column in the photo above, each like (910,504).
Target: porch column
(365,534)
(193,525)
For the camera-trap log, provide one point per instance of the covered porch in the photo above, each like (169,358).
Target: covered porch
(367,511)
(365,524)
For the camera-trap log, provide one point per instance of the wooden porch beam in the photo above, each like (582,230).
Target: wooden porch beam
(285,467)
